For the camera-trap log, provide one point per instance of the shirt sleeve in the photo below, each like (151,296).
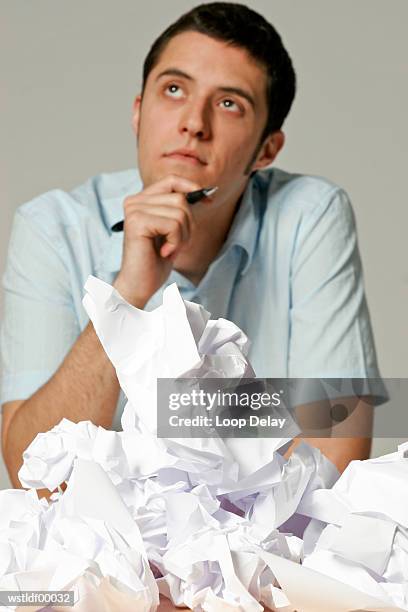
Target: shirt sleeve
(39,324)
(330,330)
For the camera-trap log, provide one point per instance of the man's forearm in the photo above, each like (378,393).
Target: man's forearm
(84,387)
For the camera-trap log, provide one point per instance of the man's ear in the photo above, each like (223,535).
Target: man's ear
(136,114)
(269,150)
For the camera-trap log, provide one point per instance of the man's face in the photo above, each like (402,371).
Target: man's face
(208,99)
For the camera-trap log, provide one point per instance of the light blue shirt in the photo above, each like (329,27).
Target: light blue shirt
(289,275)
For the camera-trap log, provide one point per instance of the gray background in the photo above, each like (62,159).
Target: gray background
(71,69)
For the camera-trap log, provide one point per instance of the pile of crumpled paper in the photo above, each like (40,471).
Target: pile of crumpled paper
(211,524)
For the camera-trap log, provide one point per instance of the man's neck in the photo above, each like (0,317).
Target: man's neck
(212,230)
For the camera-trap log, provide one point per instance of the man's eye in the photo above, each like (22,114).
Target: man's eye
(230,105)
(174,91)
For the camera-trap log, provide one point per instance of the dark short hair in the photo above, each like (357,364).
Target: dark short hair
(239,26)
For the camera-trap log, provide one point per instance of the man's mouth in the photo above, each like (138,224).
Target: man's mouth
(187,155)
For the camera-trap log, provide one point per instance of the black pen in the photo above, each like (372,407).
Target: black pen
(192,197)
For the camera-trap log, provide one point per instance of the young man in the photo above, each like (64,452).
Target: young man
(274,252)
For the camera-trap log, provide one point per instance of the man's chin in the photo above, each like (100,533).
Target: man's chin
(194,172)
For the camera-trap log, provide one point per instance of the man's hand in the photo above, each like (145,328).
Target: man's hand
(158,223)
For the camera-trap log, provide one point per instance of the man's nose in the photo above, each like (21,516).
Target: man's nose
(196,119)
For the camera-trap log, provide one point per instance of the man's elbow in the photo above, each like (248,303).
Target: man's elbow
(340,451)
(12,455)
(12,462)
(341,441)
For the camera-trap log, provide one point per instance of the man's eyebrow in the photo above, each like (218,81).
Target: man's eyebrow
(174,72)
(227,89)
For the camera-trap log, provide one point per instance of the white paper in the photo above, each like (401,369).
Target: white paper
(207,516)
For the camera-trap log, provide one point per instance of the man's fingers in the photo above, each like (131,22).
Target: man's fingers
(168,198)
(150,226)
(171,183)
(171,205)
(169,212)
(167,250)
(161,210)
